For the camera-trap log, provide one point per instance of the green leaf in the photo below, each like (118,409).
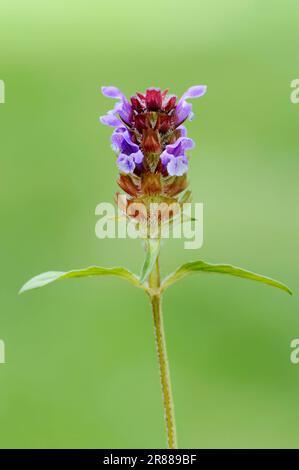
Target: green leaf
(51,276)
(152,251)
(202,266)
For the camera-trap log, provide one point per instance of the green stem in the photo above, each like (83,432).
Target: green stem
(155,296)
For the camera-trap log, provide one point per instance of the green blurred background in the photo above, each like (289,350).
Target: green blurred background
(80,364)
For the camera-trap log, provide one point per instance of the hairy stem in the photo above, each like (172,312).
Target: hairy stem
(154,284)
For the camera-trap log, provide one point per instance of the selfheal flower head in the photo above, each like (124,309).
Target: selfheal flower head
(150,140)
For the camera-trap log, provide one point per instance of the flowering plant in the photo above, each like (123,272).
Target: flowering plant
(151,145)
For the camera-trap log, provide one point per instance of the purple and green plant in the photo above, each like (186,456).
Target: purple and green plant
(151,144)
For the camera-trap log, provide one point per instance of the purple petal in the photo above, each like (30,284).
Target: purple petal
(165,157)
(180,146)
(126,163)
(121,129)
(110,119)
(183,131)
(125,112)
(121,141)
(117,138)
(127,145)
(177,166)
(194,92)
(113,92)
(183,110)
(138,157)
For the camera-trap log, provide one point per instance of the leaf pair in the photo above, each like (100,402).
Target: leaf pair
(152,252)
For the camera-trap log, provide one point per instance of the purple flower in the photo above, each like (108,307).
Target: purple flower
(122,108)
(183,131)
(113,92)
(194,92)
(183,108)
(125,163)
(110,119)
(174,158)
(130,154)
(178,166)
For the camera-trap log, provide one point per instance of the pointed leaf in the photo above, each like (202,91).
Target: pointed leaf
(51,276)
(202,266)
(152,251)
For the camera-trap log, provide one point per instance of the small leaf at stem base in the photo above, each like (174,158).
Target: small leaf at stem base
(152,251)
